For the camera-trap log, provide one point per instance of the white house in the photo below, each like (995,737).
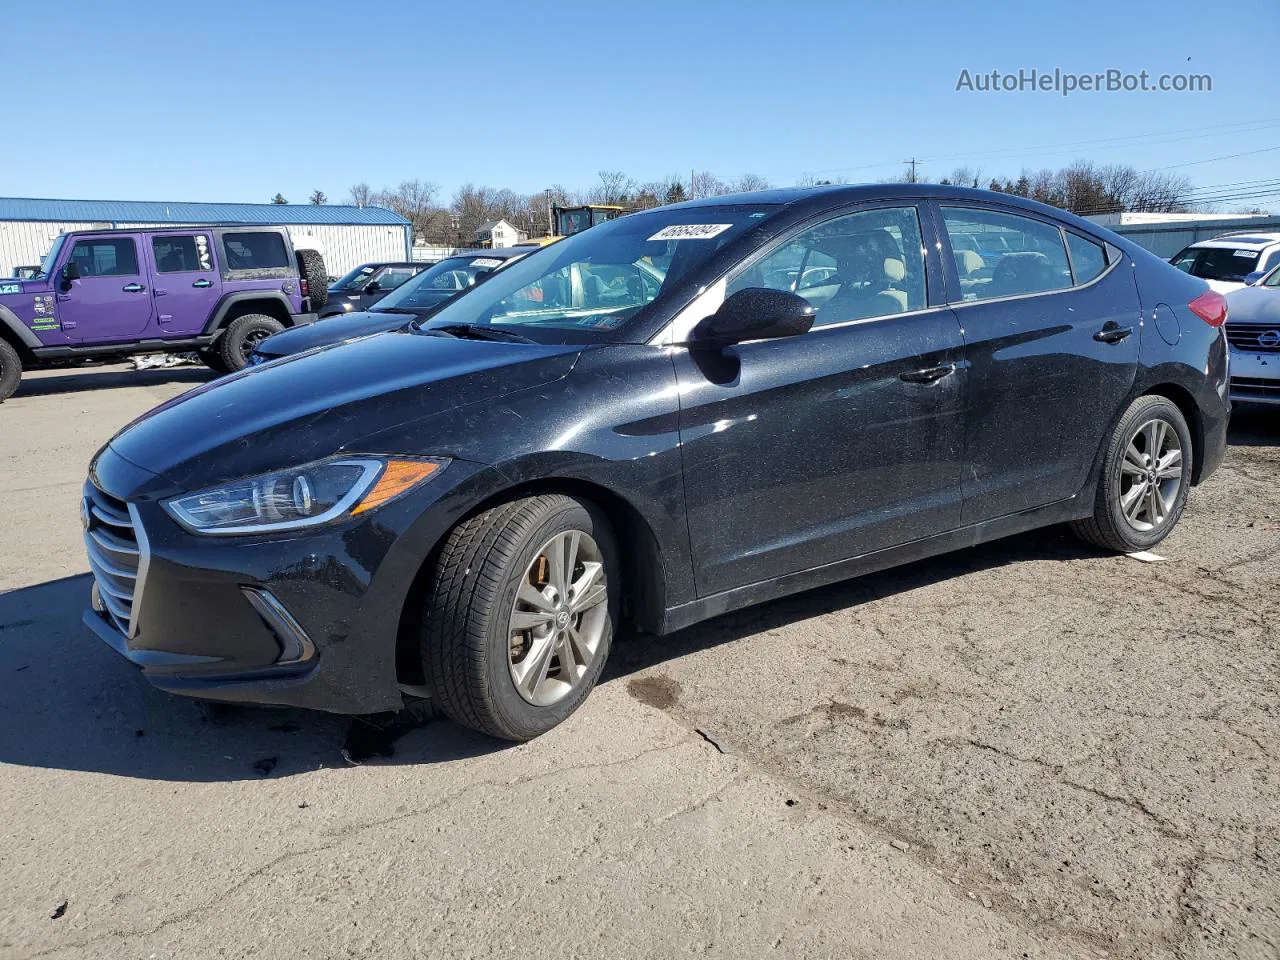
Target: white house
(497,233)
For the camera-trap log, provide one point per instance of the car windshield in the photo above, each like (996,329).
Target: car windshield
(355,280)
(432,287)
(588,286)
(1217,263)
(46,265)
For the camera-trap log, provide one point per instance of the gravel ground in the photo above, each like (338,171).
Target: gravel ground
(1025,749)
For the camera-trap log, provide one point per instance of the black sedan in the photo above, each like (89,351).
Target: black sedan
(364,286)
(416,299)
(669,416)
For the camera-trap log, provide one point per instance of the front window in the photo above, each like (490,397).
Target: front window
(591,285)
(50,258)
(355,281)
(438,283)
(106,257)
(1217,263)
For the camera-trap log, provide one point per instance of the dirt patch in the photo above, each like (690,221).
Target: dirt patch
(660,692)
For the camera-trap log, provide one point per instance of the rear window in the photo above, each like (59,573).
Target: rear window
(1216,263)
(255,251)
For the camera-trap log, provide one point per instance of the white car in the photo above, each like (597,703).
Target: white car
(1225,262)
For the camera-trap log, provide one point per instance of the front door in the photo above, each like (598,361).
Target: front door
(112,298)
(1050,320)
(187,284)
(808,450)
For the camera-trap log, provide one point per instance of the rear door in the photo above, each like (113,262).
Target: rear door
(807,450)
(1050,324)
(112,299)
(187,286)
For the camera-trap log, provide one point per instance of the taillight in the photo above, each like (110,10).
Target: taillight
(306,288)
(1211,307)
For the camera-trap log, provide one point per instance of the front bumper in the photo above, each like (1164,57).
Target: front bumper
(307,619)
(1255,376)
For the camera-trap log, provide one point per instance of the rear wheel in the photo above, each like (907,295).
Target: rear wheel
(312,269)
(242,335)
(1146,476)
(10,370)
(520,617)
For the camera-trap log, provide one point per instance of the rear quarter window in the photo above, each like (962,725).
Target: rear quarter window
(1088,259)
(255,251)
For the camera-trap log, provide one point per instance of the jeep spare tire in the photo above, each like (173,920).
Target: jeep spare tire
(311,268)
(242,335)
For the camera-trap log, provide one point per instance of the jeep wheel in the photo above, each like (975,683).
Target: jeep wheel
(312,269)
(243,334)
(211,357)
(520,616)
(10,370)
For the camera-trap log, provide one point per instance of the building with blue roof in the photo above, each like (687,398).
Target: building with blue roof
(347,236)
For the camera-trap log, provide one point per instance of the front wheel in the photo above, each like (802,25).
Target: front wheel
(1146,476)
(521,614)
(242,335)
(10,370)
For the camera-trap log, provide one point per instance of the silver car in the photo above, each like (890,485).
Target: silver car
(1253,330)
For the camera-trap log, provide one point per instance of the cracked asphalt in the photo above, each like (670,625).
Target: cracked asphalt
(1029,749)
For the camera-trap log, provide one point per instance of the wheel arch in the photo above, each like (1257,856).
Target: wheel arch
(269,303)
(17,334)
(643,603)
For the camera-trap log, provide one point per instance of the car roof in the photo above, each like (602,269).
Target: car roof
(1234,240)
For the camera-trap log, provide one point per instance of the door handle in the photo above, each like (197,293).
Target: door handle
(133,288)
(203,283)
(1112,332)
(929,374)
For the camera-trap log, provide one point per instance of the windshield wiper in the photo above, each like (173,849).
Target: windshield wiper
(478,331)
(394,310)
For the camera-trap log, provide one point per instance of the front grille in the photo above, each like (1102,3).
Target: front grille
(1256,385)
(1254,336)
(117,550)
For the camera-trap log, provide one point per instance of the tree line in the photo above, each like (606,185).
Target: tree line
(1083,188)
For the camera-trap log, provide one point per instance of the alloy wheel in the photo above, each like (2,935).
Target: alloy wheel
(558,619)
(1150,475)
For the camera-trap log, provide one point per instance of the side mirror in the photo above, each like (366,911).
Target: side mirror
(1251,278)
(372,287)
(70,271)
(756,313)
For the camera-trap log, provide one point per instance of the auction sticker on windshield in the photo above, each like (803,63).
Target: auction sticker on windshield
(691,231)
(486,262)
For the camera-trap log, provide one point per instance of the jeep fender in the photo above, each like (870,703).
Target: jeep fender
(225,305)
(20,331)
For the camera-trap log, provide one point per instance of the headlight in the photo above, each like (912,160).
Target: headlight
(302,496)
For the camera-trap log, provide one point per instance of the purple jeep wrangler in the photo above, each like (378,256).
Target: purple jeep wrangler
(112,293)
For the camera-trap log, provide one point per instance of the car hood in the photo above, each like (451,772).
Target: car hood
(330,330)
(1254,305)
(328,401)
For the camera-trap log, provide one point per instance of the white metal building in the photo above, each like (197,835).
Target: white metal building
(347,236)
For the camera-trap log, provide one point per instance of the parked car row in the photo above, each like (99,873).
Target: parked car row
(667,416)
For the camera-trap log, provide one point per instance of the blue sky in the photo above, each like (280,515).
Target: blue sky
(235,101)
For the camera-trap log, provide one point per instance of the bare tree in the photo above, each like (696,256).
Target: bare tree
(360,195)
(707,184)
(318,198)
(749,182)
(413,200)
(615,187)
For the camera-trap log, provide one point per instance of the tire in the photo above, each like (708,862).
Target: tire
(240,337)
(10,370)
(1126,521)
(469,650)
(311,268)
(211,357)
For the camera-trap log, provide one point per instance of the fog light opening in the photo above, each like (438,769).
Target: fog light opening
(295,645)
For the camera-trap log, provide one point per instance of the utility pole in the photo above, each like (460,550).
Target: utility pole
(912,161)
